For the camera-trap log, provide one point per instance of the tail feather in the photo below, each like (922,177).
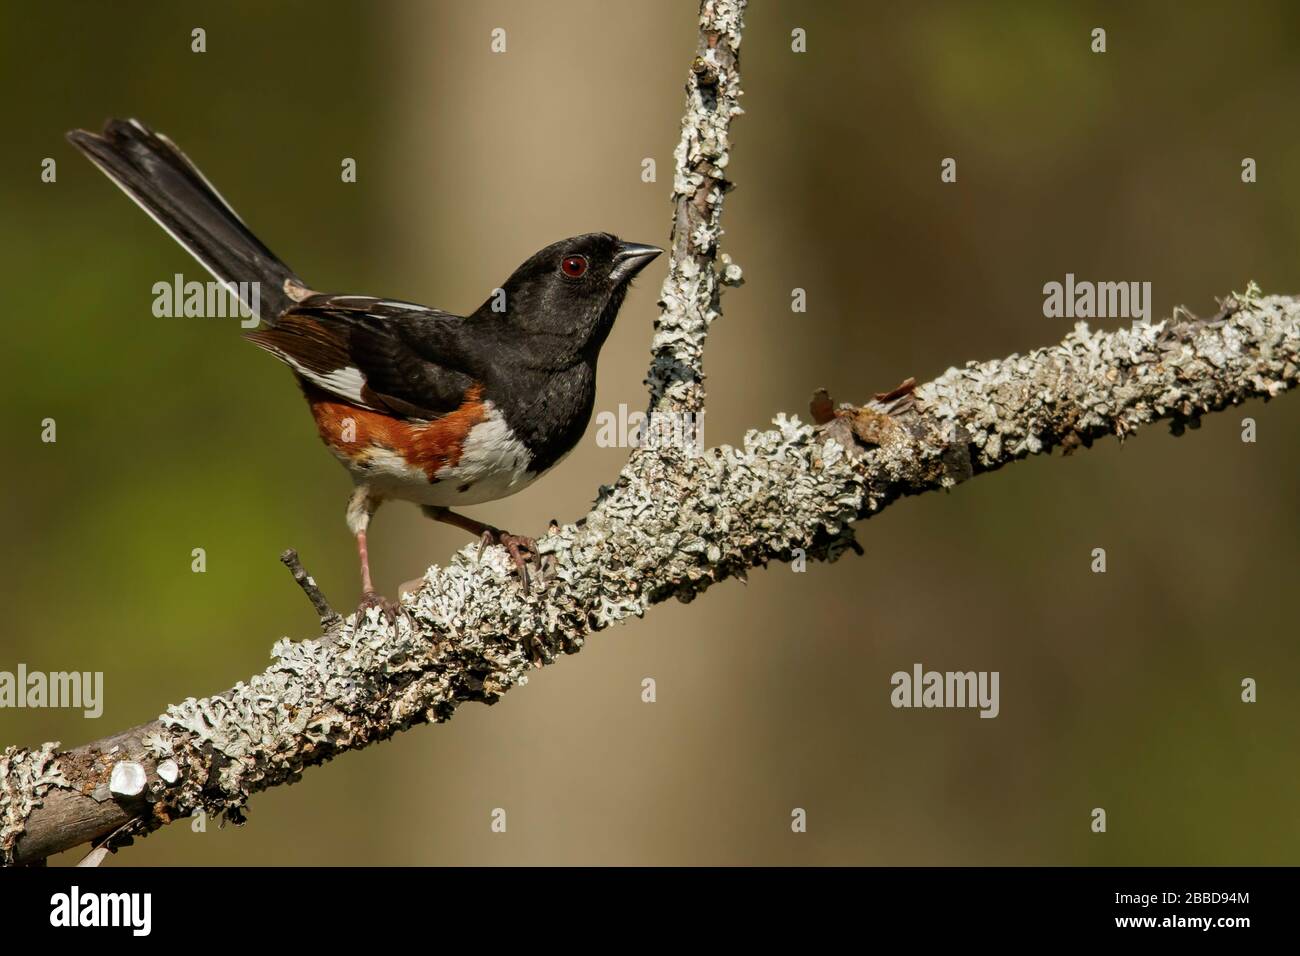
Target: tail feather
(149,168)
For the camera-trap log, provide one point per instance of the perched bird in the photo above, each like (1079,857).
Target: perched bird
(418,404)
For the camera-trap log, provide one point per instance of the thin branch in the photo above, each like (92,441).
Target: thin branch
(671,526)
(329,618)
(688,301)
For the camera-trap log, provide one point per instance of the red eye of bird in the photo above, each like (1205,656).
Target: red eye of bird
(573,266)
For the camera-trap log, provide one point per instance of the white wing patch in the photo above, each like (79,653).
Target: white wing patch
(346,382)
(364,302)
(404,306)
(343,382)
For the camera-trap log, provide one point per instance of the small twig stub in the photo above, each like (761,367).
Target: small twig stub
(329,618)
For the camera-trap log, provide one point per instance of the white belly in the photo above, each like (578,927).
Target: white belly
(493,464)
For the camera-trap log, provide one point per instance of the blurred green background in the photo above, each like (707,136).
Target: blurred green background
(1118,690)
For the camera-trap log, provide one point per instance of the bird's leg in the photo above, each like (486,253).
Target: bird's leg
(367,586)
(517,546)
(361,506)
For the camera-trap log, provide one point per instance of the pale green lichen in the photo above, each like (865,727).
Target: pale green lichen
(25,778)
(674,524)
(688,299)
(671,526)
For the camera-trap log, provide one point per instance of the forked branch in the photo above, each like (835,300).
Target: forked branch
(672,525)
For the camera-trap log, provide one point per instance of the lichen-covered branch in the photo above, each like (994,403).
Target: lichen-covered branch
(689,300)
(671,525)
(667,528)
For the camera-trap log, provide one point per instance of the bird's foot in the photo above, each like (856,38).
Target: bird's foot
(369,599)
(519,548)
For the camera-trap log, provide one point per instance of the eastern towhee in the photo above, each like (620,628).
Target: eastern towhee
(418,404)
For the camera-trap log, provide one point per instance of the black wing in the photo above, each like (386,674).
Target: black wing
(385,355)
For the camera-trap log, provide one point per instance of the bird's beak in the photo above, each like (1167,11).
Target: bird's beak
(631,258)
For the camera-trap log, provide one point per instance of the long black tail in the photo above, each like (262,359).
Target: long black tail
(149,168)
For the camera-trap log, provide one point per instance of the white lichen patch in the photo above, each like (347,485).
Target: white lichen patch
(128,779)
(25,777)
(1096,383)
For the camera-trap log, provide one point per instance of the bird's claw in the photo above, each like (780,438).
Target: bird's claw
(387,609)
(519,547)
